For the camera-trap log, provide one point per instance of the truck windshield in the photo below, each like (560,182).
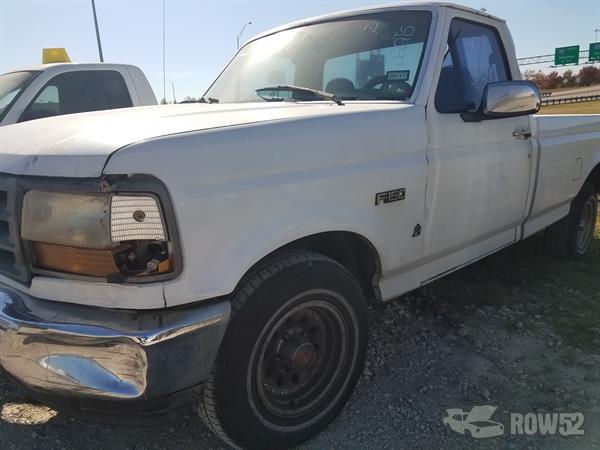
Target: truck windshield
(370,57)
(11,85)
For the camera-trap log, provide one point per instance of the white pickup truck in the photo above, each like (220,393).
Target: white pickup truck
(227,252)
(56,89)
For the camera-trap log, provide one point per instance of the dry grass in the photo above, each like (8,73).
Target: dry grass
(565,293)
(573,108)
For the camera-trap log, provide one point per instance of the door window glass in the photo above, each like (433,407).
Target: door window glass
(474,58)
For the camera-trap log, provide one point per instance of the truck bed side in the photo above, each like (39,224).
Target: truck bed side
(568,151)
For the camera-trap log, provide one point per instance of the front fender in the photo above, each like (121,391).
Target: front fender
(240,193)
(274,232)
(245,226)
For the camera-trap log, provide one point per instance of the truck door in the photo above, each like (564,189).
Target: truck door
(479,172)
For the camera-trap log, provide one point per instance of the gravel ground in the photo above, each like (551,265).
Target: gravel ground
(512,332)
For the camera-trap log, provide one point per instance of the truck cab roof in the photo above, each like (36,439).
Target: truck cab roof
(66,66)
(375,9)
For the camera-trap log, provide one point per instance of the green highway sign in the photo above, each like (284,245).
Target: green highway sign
(595,52)
(566,55)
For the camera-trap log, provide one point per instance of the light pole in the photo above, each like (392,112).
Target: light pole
(164,30)
(97,31)
(242,32)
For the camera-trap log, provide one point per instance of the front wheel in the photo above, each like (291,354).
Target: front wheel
(294,349)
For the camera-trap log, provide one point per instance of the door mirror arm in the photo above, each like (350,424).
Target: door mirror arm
(471,116)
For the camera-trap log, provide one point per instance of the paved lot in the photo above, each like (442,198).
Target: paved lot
(519,331)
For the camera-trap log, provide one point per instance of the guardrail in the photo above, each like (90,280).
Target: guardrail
(578,99)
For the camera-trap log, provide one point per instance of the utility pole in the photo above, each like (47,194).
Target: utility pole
(242,32)
(164,56)
(97,31)
(174,98)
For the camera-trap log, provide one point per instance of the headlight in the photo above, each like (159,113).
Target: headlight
(67,219)
(98,234)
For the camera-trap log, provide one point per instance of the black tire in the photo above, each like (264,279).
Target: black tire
(572,236)
(292,354)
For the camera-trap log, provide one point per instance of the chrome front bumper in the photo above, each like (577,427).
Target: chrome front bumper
(77,351)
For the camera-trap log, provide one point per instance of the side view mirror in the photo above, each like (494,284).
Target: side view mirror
(506,99)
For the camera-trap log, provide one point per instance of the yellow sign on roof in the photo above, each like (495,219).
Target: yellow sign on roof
(55,55)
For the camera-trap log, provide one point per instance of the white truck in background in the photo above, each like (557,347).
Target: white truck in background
(227,252)
(59,88)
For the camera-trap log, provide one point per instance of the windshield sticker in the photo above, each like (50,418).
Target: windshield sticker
(373,27)
(398,75)
(404,36)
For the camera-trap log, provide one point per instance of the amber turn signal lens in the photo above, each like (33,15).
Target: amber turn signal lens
(166,265)
(81,261)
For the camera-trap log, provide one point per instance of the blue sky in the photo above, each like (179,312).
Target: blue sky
(201,35)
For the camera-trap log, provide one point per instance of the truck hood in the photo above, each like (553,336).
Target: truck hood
(79,145)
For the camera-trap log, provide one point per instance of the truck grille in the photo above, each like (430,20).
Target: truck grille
(12,261)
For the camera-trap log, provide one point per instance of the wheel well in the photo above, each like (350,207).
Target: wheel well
(594,178)
(351,250)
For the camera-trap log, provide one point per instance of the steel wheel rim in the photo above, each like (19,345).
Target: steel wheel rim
(297,366)
(585,227)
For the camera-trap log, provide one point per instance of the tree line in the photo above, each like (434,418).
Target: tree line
(587,76)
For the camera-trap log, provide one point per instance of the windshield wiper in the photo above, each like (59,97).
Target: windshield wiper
(304,90)
(208,100)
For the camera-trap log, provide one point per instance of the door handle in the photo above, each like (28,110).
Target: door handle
(522,134)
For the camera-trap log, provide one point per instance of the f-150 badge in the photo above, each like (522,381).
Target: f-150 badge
(395,195)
